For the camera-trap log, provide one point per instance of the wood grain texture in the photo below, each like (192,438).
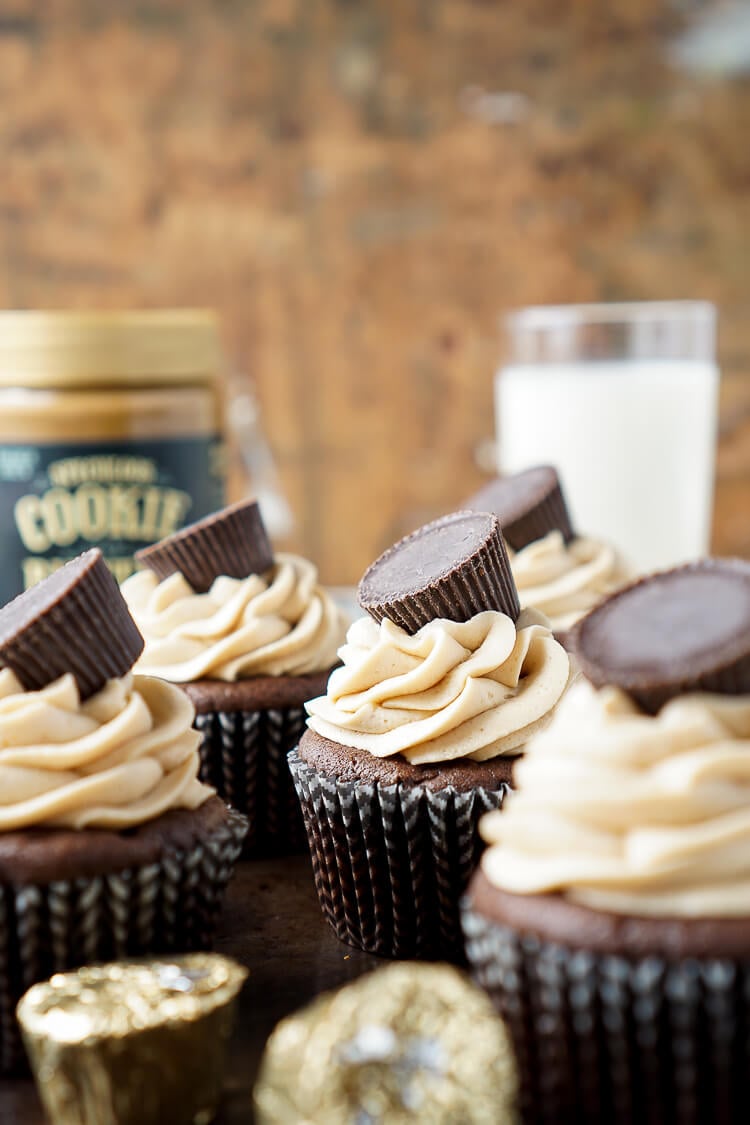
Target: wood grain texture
(362,188)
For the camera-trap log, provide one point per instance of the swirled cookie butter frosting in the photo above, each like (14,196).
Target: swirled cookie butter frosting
(632,813)
(474,689)
(566,580)
(282,623)
(124,756)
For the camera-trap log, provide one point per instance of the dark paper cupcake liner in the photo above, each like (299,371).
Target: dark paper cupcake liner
(76,621)
(603,1038)
(233,541)
(164,907)
(481,582)
(244,757)
(391,861)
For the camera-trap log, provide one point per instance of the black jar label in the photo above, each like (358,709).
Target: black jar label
(59,500)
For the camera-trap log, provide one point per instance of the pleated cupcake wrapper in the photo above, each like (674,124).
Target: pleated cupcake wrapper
(601,1038)
(233,542)
(165,907)
(390,862)
(549,514)
(244,757)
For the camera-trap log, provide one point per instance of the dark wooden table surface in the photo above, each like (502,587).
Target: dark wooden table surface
(273,925)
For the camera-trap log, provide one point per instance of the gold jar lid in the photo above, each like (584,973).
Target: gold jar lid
(85,349)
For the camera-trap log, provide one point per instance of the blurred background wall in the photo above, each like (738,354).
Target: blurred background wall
(361,187)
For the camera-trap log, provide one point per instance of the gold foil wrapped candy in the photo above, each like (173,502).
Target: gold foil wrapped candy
(132,1042)
(416,1044)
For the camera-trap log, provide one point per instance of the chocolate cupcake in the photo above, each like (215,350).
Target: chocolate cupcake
(249,637)
(418,733)
(560,573)
(110,846)
(610,917)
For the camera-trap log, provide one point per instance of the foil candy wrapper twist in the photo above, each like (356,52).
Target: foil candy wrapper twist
(416,1044)
(136,1042)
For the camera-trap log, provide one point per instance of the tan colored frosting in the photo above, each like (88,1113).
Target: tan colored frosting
(123,757)
(280,624)
(474,689)
(564,581)
(629,812)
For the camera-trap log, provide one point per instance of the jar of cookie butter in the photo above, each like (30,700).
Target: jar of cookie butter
(110,435)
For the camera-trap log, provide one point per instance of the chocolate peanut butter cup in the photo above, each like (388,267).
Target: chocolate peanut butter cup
(231,542)
(76,621)
(529,505)
(679,631)
(452,568)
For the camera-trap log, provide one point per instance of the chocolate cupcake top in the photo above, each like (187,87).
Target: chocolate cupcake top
(475,689)
(281,623)
(528,504)
(83,743)
(564,581)
(470,681)
(121,758)
(631,813)
(636,799)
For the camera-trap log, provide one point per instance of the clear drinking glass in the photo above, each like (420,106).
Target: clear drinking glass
(623,400)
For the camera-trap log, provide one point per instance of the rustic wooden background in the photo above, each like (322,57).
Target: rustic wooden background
(361,187)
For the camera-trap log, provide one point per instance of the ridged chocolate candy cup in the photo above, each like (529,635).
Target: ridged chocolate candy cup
(76,621)
(529,505)
(452,568)
(232,542)
(668,634)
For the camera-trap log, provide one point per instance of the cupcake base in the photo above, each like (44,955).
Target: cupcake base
(248,729)
(67,898)
(393,845)
(616,1019)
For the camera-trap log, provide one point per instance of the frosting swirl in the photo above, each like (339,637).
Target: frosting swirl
(279,624)
(564,581)
(123,757)
(629,812)
(472,689)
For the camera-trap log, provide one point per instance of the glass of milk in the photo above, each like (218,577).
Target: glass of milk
(623,400)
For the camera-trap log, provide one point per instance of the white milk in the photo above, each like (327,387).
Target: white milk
(634,442)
